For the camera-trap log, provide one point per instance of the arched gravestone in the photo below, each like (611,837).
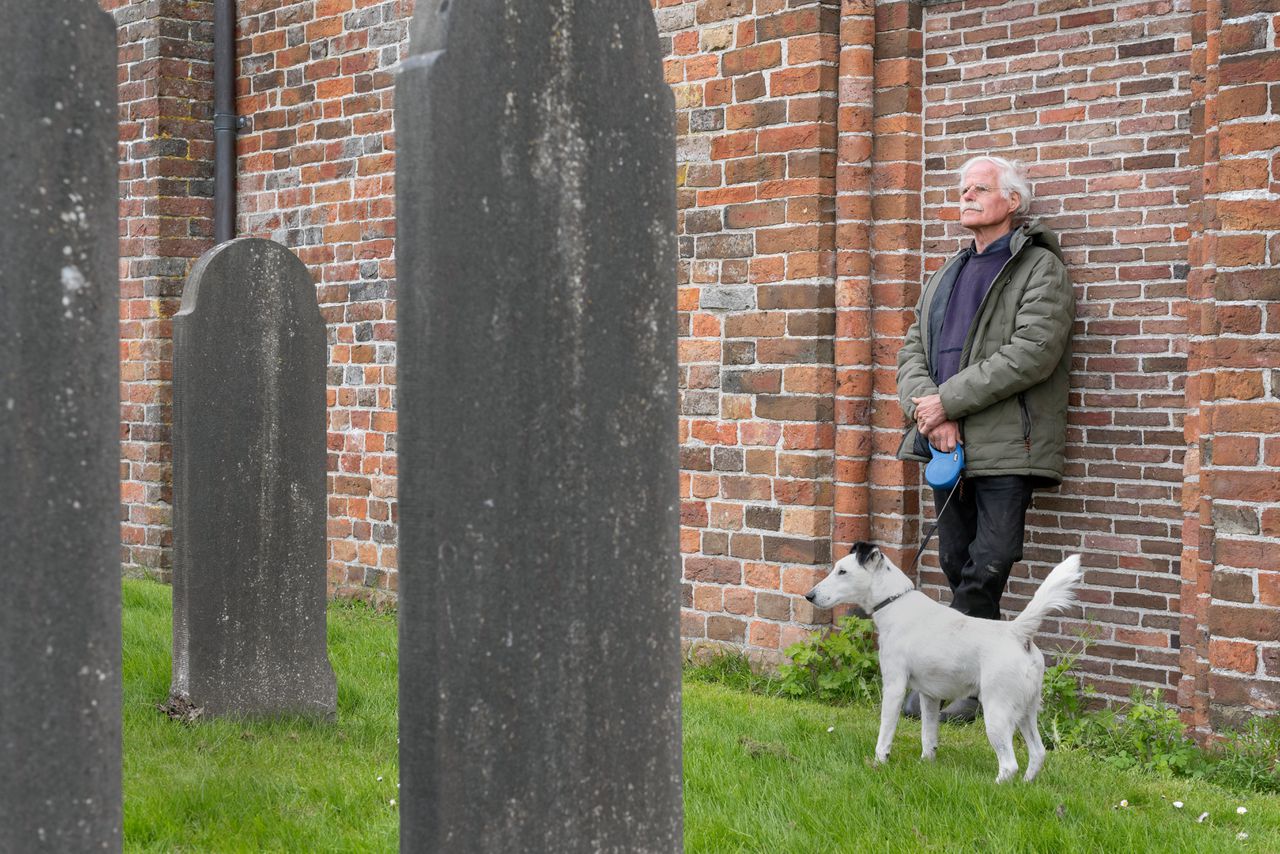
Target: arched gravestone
(539,590)
(249,486)
(59,431)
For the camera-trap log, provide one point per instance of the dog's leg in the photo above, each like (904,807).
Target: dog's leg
(895,691)
(1000,726)
(1030,729)
(929,726)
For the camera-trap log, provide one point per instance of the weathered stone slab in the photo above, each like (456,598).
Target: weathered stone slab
(59,431)
(539,597)
(249,486)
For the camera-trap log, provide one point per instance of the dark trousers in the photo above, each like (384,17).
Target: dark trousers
(980,539)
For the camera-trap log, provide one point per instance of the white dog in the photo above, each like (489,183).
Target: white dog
(944,654)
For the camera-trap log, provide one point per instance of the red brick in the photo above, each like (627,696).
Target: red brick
(1252,623)
(764,634)
(793,81)
(755,58)
(713,570)
(1242,101)
(1247,418)
(792,138)
(733,145)
(755,114)
(1269,589)
(726,629)
(1235,451)
(738,601)
(785,25)
(755,215)
(1249,68)
(710,11)
(1245,8)
(1248,137)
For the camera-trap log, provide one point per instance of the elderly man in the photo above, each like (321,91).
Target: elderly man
(986,365)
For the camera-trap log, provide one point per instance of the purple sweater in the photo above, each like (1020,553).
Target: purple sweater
(977,272)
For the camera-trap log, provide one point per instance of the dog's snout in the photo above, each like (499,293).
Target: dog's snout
(809,595)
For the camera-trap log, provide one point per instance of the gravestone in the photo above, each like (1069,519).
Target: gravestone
(249,494)
(59,431)
(539,590)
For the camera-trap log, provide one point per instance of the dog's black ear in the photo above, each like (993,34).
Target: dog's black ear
(864,552)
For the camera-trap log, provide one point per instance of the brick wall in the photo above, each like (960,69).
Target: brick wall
(882,197)
(1095,100)
(1097,104)
(1099,101)
(166,211)
(818,142)
(317,174)
(1231,578)
(755,88)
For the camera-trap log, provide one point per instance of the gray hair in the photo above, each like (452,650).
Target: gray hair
(1013,179)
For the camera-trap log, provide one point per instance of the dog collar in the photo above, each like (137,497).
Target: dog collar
(894,598)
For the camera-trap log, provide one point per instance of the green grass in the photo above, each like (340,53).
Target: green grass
(284,785)
(762,774)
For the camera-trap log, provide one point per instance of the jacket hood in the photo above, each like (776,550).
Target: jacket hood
(1037,234)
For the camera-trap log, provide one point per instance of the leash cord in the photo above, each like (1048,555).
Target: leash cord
(929,536)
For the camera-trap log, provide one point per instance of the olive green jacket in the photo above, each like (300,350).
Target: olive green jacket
(1010,394)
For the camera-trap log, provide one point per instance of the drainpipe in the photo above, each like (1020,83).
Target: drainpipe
(225,121)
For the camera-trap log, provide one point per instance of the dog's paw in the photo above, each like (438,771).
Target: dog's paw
(927,756)
(878,760)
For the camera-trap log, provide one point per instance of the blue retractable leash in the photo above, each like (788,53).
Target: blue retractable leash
(942,472)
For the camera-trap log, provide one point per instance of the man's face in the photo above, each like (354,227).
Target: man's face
(981,202)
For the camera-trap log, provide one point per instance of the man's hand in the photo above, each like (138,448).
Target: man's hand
(929,413)
(945,436)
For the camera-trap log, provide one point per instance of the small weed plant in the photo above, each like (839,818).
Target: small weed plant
(1064,708)
(841,666)
(1149,736)
(1146,735)
(733,670)
(1249,759)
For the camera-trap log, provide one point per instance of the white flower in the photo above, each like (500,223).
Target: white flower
(1202,817)
(1241,810)
(833,729)
(393,802)
(1177,805)
(379,778)
(1242,835)
(1124,803)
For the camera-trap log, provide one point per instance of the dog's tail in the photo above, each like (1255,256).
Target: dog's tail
(1057,593)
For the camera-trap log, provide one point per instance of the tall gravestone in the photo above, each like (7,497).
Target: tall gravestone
(59,431)
(249,496)
(539,596)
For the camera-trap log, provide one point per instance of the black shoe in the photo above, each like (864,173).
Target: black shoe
(911,708)
(961,711)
